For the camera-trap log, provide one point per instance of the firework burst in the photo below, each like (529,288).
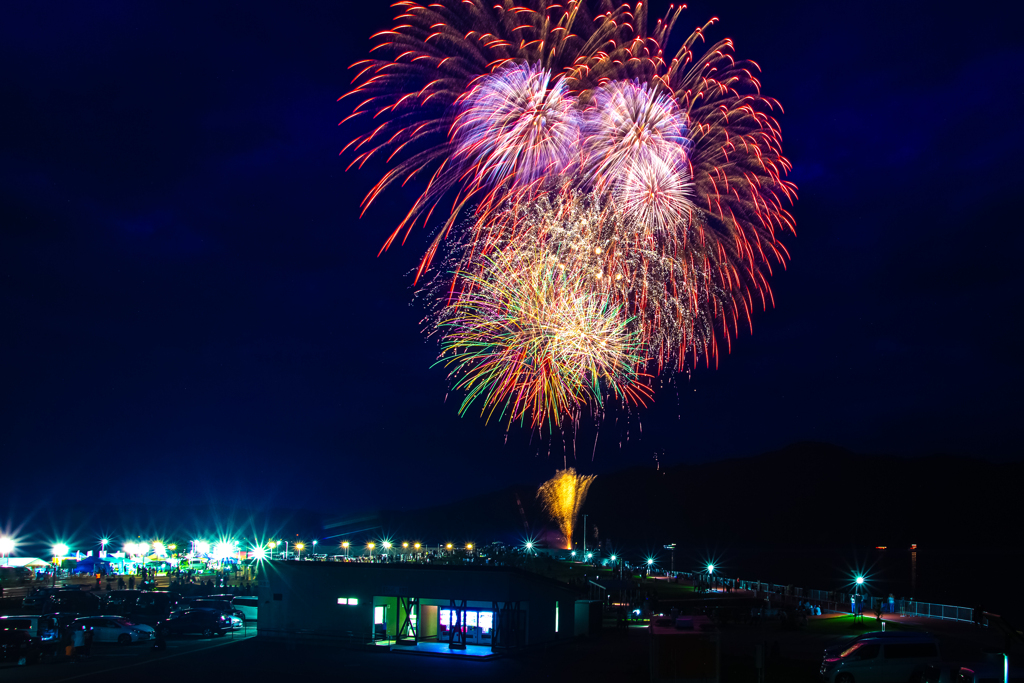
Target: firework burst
(532,341)
(596,183)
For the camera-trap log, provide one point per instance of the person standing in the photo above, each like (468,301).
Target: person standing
(131,583)
(77,643)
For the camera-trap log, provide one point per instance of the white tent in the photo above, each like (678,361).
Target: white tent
(31,562)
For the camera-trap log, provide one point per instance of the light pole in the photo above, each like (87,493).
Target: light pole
(59,551)
(344,544)
(314,548)
(271,545)
(585,535)
(371,545)
(299,546)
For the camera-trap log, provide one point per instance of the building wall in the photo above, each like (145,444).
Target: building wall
(300,599)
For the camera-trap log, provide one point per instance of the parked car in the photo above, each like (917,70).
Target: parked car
(38,596)
(219,605)
(18,647)
(881,660)
(151,607)
(835,650)
(73,601)
(196,621)
(120,601)
(63,620)
(248,605)
(983,672)
(42,628)
(112,628)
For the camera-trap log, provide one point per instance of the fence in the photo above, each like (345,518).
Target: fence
(833,601)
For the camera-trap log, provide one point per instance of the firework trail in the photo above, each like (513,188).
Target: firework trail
(592,178)
(563,496)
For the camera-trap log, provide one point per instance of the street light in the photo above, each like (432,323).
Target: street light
(299,546)
(6,547)
(590,556)
(314,548)
(271,545)
(711,569)
(344,544)
(371,545)
(860,580)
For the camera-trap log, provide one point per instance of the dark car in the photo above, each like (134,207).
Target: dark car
(19,647)
(195,621)
(73,601)
(120,602)
(219,605)
(151,607)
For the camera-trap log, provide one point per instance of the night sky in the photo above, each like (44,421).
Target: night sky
(192,308)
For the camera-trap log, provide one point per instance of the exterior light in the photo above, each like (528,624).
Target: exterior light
(300,545)
(387,545)
(448,546)
(258,553)
(271,545)
(416,546)
(650,560)
(371,545)
(711,569)
(860,580)
(529,545)
(344,544)
(469,546)
(202,547)
(6,545)
(143,548)
(159,548)
(60,550)
(405,544)
(613,558)
(590,556)
(172,547)
(573,553)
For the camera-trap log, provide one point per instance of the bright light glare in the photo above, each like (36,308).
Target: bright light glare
(860,580)
(387,545)
(529,545)
(711,569)
(6,545)
(371,545)
(469,546)
(614,558)
(142,548)
(650,560)
(60,550)
(416,545)
(202,547)
(344,544)
(223,550)
(159,548)
(300,545)
(259,553)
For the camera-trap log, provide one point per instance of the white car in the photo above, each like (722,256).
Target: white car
(248,605)
(114,629)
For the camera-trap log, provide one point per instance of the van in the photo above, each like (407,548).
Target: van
(247,605)
(880,660)
(38,627)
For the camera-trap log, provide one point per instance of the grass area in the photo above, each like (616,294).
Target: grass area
(848,624)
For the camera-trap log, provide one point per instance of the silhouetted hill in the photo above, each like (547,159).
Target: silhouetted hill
(807,494)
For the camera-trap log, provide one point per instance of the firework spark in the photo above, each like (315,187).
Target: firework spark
(563,496)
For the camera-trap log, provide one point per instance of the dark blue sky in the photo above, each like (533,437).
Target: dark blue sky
(192,309)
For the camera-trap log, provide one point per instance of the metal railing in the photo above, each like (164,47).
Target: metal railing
(834,601)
